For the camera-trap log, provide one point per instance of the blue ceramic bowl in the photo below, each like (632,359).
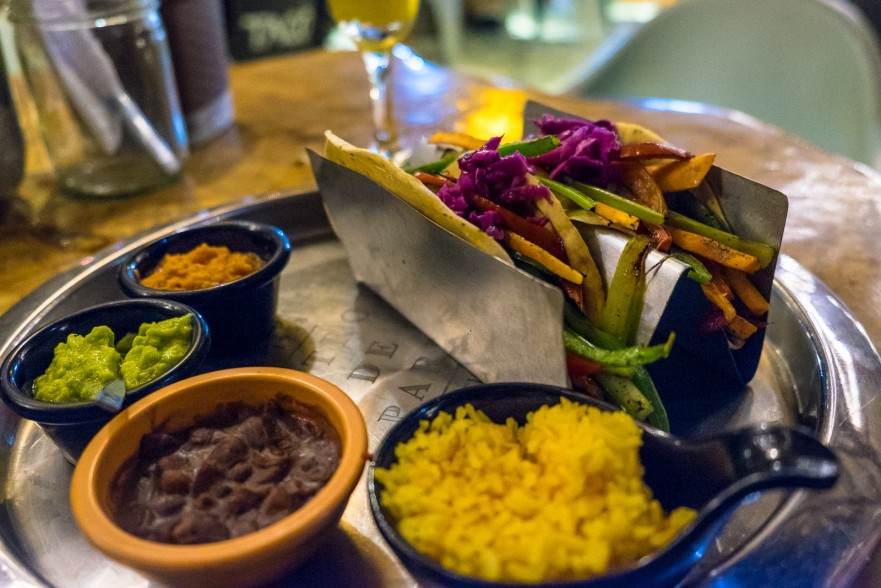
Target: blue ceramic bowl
(240,313)
(72,425)
(711,476)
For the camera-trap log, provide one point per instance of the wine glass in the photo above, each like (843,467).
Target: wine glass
(376,26)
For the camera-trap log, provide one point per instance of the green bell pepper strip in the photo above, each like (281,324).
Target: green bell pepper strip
(530,148)
(626,395)
(643,213)
(570,193)
(435,167)
(698,272)
(658,418)
(623,357)
(626,291)
(764,253)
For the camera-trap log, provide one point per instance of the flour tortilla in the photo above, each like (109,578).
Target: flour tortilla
(408,188)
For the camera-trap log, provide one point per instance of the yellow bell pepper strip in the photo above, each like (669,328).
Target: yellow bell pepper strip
(764,253)
(626,291)
(617,217)
(747,292)
(741,328)
(461,140)
(676,176)
(714,250)
(534,252)
(715,296)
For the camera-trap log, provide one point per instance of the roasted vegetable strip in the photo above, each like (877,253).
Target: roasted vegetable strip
(624,357)
(533,251)
(636,178)
(643,381)
(462,140)
(625,393)
(676,176)
(626,291)
(714,250)
(643,213)
(698,271)
(531,148)
(529,231)
(763,253)
(747,292)
(579,255)
(652,150)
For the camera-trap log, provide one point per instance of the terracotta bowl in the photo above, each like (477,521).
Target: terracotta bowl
(253,559)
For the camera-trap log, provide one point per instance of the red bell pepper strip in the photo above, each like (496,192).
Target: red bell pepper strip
(517,224)
(652,151)
(581,366)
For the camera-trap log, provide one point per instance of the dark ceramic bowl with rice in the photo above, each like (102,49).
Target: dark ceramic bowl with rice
(240,312)
(71,425)
(693,483)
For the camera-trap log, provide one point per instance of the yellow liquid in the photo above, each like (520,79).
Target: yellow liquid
(375,25)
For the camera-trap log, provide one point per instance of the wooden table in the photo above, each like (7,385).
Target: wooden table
(283,106)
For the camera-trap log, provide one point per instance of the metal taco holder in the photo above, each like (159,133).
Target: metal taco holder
(500,322)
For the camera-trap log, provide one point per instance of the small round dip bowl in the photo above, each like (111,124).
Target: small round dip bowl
(71,425)
(240,313)
(709,476)
(255,558)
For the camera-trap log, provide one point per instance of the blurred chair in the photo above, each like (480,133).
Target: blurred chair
(811,67)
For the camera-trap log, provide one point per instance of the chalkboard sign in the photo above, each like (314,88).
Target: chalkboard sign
(259,28)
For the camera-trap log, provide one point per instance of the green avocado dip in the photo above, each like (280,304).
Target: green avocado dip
(83,365)
(155,349)
(80,368)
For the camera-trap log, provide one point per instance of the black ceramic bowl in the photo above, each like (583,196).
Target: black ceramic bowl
(710,476)
(240,313)
(72,425)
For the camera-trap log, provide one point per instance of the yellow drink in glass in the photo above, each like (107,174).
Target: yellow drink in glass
(375,25)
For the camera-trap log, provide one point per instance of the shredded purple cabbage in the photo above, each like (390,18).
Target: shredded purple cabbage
(586,147)
(502,180)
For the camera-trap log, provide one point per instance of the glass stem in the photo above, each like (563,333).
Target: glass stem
(379,72)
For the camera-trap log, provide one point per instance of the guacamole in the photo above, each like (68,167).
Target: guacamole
(84,365)
(156,348)
(80,368)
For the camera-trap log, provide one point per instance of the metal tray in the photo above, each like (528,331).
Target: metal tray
(818,369)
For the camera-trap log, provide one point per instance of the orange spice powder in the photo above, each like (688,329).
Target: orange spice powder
(202,267)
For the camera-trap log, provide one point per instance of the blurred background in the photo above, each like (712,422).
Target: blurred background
(571,46)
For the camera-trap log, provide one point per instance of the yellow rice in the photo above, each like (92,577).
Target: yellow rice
(560,498)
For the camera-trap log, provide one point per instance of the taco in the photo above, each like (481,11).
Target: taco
(527,203)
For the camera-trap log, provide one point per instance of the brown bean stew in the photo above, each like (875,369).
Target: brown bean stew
(238,470)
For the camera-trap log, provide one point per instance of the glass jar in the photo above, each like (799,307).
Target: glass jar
(101,78)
